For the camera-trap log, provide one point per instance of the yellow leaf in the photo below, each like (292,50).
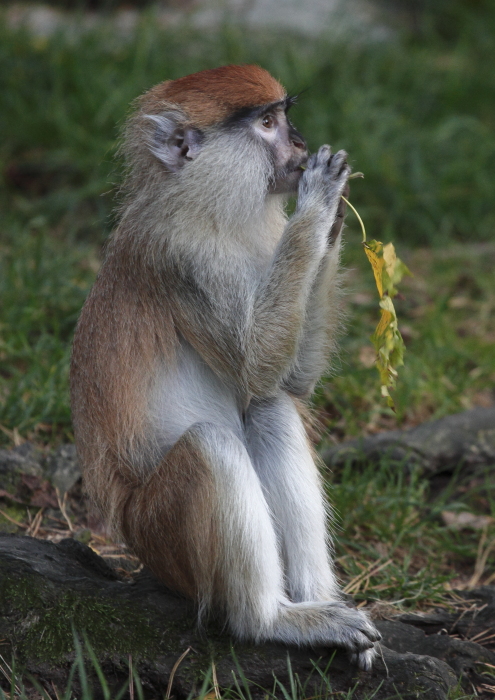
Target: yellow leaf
(390,258)
(389,347)
(374,255)
(386,318)
(394,269)
(388,270)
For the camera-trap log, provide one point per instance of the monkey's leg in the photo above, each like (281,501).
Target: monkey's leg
(282,457)
(279,449)
(202,525)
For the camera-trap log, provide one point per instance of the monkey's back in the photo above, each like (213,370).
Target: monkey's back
(124,333)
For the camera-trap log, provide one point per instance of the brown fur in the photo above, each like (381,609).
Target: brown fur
(174,512)
(128,327)
(117,346)
(169,509)
(212,95)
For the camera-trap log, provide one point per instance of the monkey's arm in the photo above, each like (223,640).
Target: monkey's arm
(251,336)
(321,324)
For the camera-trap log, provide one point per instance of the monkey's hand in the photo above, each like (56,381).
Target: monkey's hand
(321,187)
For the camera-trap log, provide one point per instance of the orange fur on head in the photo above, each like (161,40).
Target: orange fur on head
(212,95)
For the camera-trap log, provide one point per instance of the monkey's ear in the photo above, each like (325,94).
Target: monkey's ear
(173,142)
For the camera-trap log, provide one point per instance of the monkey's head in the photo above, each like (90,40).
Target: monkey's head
(223,129)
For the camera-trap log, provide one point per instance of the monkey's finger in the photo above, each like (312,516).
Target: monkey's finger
(338,163)
(372,633)
(360,643)
(311,162)
(342,208)
(339,219)
(324,154)
(362,625)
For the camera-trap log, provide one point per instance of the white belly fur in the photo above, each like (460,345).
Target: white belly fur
(187,393)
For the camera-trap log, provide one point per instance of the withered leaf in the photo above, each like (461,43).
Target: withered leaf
(388,270)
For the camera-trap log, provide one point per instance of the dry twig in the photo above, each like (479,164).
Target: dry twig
(62,504)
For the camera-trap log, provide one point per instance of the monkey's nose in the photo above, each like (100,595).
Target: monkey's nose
(296,139)
(298,143)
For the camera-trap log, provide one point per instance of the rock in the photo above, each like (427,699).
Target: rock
(477,618)
(30,478)
(464,438)
(62,468)
(19,467)
(465,658)
(24,459)
(47,588)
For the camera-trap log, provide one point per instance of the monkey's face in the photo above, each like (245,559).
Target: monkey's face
(252,135)
(286,146)
(218,127)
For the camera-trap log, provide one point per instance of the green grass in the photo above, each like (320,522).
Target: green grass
(391,542)
(415,116)
(43,283)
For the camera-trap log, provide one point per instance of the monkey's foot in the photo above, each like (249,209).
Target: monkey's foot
(329,624)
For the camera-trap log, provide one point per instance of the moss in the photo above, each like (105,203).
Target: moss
(14,511)
(42,621)
(458,693)
(38,618)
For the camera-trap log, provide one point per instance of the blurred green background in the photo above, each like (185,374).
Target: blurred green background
(415,109)
(410,94)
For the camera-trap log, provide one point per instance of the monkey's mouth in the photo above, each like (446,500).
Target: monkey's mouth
(302,165)
(287,179)
(296,168)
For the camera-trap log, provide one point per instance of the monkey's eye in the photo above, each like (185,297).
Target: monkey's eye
(268,121)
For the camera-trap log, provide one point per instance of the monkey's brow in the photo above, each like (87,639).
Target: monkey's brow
(285,104)
(249,113)
(290,101)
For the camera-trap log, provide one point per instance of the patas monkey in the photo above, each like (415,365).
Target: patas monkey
(211,317)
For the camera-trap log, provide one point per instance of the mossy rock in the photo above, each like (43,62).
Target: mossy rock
(49,592)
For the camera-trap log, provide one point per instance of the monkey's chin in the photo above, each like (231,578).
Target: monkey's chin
(288,184)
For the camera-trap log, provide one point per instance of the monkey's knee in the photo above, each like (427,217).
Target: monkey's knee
(171,522)
(201,523)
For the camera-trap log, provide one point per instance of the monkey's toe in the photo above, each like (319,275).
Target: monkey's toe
(364,659)
(358,622)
